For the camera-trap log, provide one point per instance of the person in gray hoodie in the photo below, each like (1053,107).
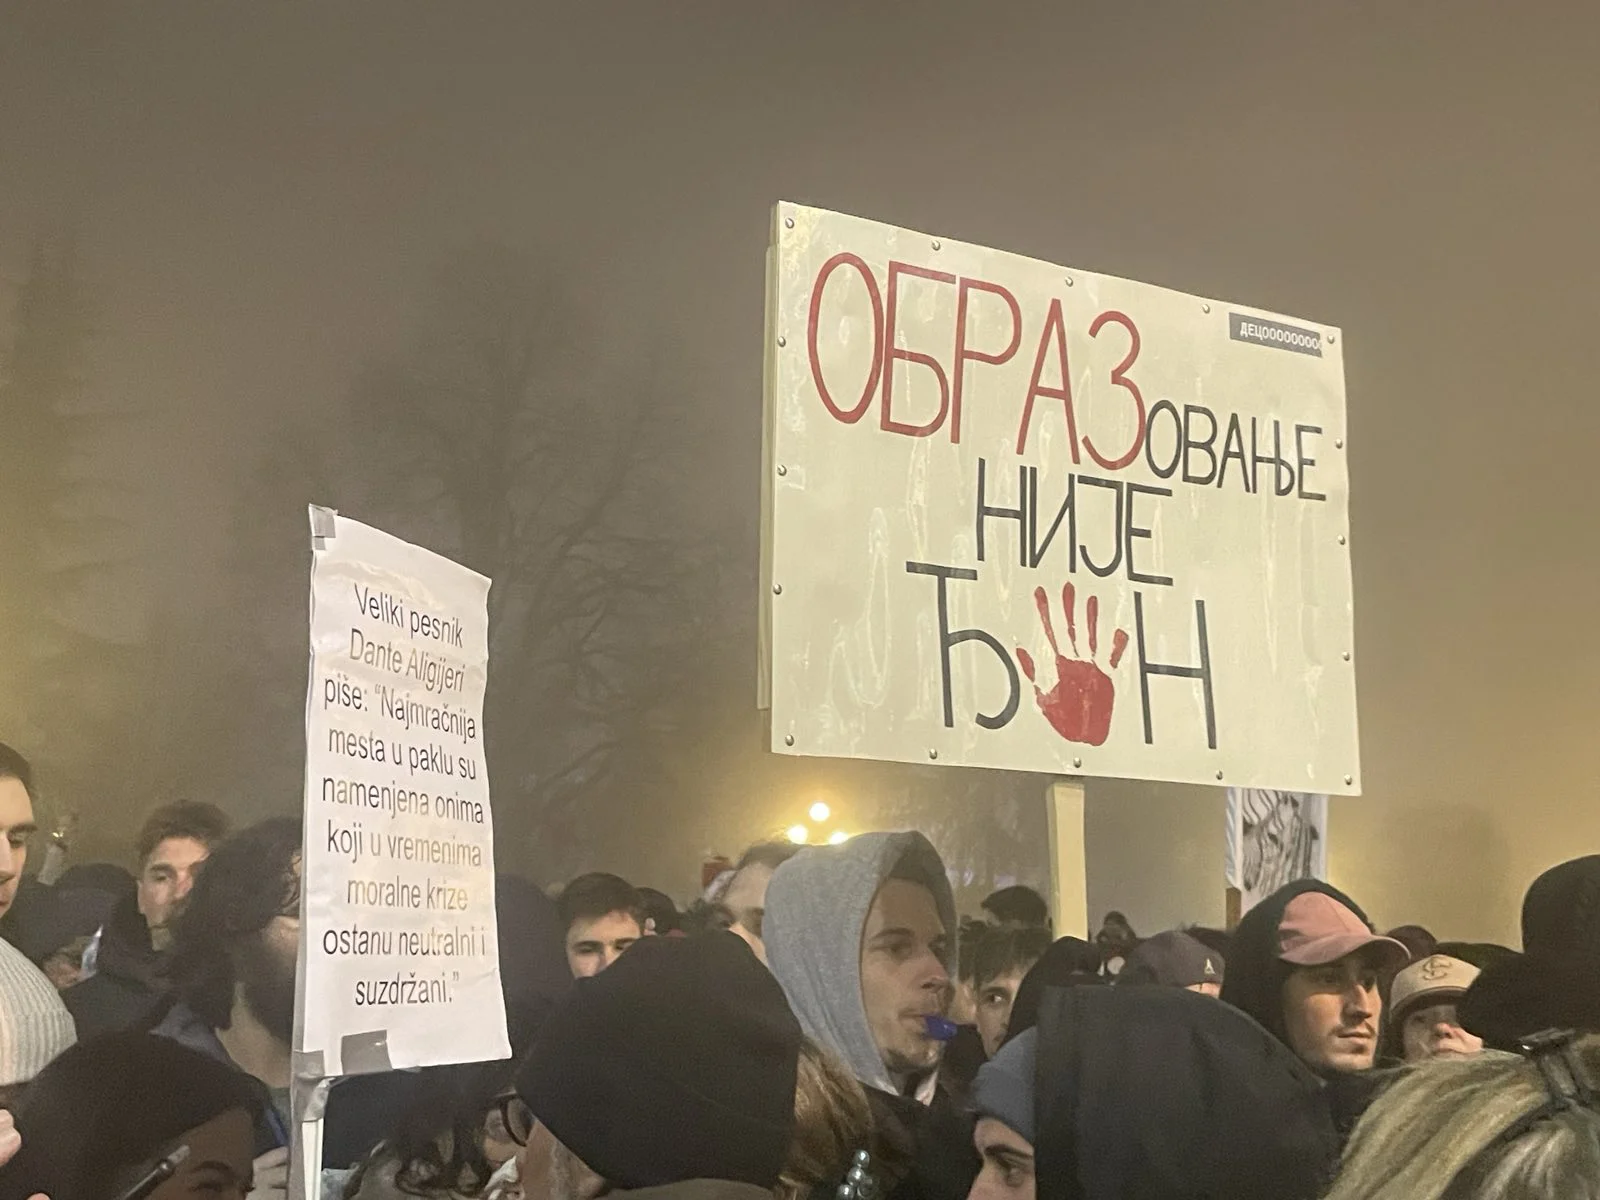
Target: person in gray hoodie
(862,938)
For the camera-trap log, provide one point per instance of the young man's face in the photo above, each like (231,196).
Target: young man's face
(1330,1014)
(16,827)
(745,902)
(594,943)
(1433,1030)
(903,978)
(219,1166)
(1007,1172)
(995,998)
(167,876)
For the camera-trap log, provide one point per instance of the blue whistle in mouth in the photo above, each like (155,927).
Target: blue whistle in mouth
(940,1029)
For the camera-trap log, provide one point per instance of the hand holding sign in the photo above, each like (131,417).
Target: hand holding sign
(1079,706)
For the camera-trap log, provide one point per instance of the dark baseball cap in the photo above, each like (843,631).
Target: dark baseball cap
(1172,959)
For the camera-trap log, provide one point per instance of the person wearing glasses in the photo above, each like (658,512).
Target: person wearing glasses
(460,1125)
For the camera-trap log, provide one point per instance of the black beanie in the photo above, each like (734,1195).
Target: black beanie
(677,1062)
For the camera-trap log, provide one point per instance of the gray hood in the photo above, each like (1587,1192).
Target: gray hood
(817,907)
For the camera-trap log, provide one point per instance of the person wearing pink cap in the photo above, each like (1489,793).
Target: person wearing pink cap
(1306,964)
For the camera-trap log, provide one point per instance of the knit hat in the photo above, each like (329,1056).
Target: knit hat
(1172,959)
(35,1026)
(677,1062)
(1004,1087)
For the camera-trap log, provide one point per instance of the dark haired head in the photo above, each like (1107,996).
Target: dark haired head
(111,1106)
(14,766)
(596,894)
(251,878)
(1416,939)
(205,823)
(658,907)
(1017,905)
(1002,951)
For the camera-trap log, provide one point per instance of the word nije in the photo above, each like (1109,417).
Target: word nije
(390,610)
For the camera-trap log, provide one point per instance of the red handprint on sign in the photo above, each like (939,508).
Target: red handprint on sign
(1079,706)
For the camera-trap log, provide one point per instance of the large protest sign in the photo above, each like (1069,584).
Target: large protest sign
(1273,838)
(1024,516)
(399,958)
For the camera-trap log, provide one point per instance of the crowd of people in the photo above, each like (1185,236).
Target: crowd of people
(819,1024)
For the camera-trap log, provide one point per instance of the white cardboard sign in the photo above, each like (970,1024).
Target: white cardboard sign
(1024,516)
(399,957)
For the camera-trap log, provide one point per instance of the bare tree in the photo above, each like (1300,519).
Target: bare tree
(513,438)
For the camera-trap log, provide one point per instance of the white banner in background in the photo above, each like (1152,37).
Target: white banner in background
(1023,516)
(399,958)
(1274,838)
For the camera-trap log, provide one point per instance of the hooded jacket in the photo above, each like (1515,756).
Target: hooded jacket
(1254,983)
(1256,975)
(126,987)
(1163,1094)
(817,906)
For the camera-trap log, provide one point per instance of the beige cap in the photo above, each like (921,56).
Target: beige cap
(1437,977)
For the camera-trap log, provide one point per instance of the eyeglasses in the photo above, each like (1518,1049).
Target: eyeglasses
(515,1119)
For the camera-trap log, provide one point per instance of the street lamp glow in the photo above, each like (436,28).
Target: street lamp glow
(799,835)
(820,812)
(838,837)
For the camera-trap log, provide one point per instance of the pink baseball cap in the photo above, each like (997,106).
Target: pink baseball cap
(1316,930)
